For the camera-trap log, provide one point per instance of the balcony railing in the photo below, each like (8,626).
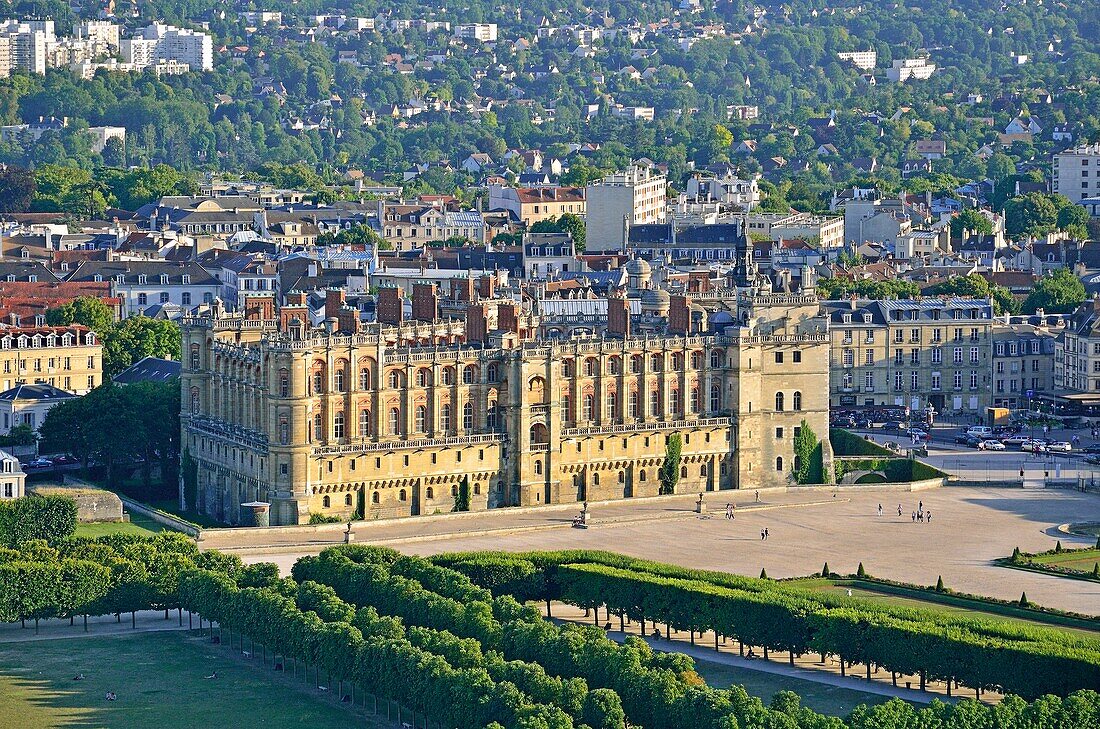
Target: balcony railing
(646,426)
(394,445)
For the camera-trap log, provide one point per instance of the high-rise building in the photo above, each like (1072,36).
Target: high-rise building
(159,42)
(1077,172)
(636,196)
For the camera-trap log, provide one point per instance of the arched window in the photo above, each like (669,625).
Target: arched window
(615,366)
(567,368)
(703,471)
(347,499)
(796,401)
(796,463)
(477,489)
(448,375)
(589,407)
(656,362)
(318,428)
(491,373)
(339,377)
(445,418)
(492,417)
(402,495)
(612,404)
(194,401)
(779,402)
(423,377)
(716,358)
(468,415)
(194,356)
(395,421)
(636,363)
(364,423)
(374,498)
(779,463)
(284,431)
(318,382)
(537,389)
(567,407)
(468,374)
(683,471)
(326,502)
(677,361)
(622,476)
(538,468)
(632,404)
(695,399)
(596,479)
(364,379)
(674,402)
(338,425)
(395,380)
(654,403)
(284,383)
(641,475)
(429,493)
(591,367)
(539,434)
(715,398)
(697,360)
(421,418)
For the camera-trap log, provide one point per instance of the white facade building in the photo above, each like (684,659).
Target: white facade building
(159,42)
(906,68)
(867,60)
(480,32)
(634,197)
(1077,172)
(12,479)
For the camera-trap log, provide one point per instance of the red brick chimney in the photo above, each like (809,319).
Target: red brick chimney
(390,307)
(348,320)
(425,302)
(618,314)
(477,323)
(334,301)
(679,315)
(486,286)
(508,318)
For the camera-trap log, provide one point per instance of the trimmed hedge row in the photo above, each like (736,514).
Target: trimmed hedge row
(845,443)
(51,518)
(1002,655)
(457,696)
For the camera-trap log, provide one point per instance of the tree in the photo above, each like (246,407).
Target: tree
(462,496)
(972,286)
(999,166)
(1074,220)
(17,188)
(114,153)
(1059,292)
(86,310)
(1032,215)
(137,337)
(669,473)
(970,220)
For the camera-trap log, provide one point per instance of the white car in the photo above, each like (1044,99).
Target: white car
(1060,446)
(1015,440)
(992,445)
(1034,446)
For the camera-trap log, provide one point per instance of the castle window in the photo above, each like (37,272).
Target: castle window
(695,399)
(402,495)
(395,380)
(589,406)
(612,404)
(338,426)
(194,356)
(284,383)
(468,416)
(567,368)
(538,468)
(715,398)
(326,502)
(591,367)
(448,375)
(632,407)
(615,366)
(779,463)
(641,475)
(340,379)
(636,364)
(364,423)
(654,403)
(656,361)
(194,400)
(779,402)
(395,421)
(318,382)
(797,400)
(683,471)
(429,493)
(421,418)
(445,418)
(374,498)
(423,377)
(318,428)
(364,379)
(716,357)
(468,375)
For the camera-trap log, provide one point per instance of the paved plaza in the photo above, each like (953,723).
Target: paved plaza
(970,527)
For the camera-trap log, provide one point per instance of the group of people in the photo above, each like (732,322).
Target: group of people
(729,512)
(764,534)
(919,515)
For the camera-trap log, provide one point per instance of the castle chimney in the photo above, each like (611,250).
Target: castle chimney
(390,307)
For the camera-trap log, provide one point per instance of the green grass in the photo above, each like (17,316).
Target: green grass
(1083,560)
(138,525)
(946,604)
(830,700)
(158,678)
(172,507)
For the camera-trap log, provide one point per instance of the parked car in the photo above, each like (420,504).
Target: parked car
(1061,446)
(919,434)
(64,460)
(963,438)
(991,445)
(38,464)
(973,441)
(1034,446)
(898,426)
(1017,440)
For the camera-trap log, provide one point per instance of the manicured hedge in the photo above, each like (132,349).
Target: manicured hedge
(845,443)
(51,518)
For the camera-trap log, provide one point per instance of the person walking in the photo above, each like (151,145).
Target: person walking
(899,509)
(766,533)
(914,517)
(880,509)
(761,535)
(928,515)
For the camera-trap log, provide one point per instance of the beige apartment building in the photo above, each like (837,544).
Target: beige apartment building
(387,421)
(531,205)
(1076,172)
(825,232)
(618,201)
(69,358)
(912,354)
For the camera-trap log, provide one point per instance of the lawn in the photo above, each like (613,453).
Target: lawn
(830,700)
(159,680)
(138,526)
(1077,560)
(947,605)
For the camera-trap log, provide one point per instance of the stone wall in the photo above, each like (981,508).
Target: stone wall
(92,504)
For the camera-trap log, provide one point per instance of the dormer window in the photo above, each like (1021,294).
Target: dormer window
(186,278)
(866,318)
(163,279)
(64,265)
(11,278)
(32,278)
(142,278)
(5,343)
(67,340)
(90,339)
(22,342)
(98,278)
(120,278)
(847,318)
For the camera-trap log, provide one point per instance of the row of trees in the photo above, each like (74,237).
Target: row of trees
(978,653)
(51,518)
(656,690)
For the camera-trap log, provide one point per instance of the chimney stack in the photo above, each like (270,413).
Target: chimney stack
(390,306)
(334,301)
(425,302)
(618,314)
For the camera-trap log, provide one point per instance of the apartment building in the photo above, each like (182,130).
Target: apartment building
(480,32)
(532,204)
(825,232)
(912,353)
(159,43)
(1076,172)
(69,358)
(867,60)
(1023,362)
(905,69)
(618,201)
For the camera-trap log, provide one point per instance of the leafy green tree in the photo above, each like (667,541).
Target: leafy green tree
(669,473)
(1032,215)
(1074,220)
(86,310)
(1059,292)
(807,452)
(137,337)
(17,187)
(970,220)
(462,496)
